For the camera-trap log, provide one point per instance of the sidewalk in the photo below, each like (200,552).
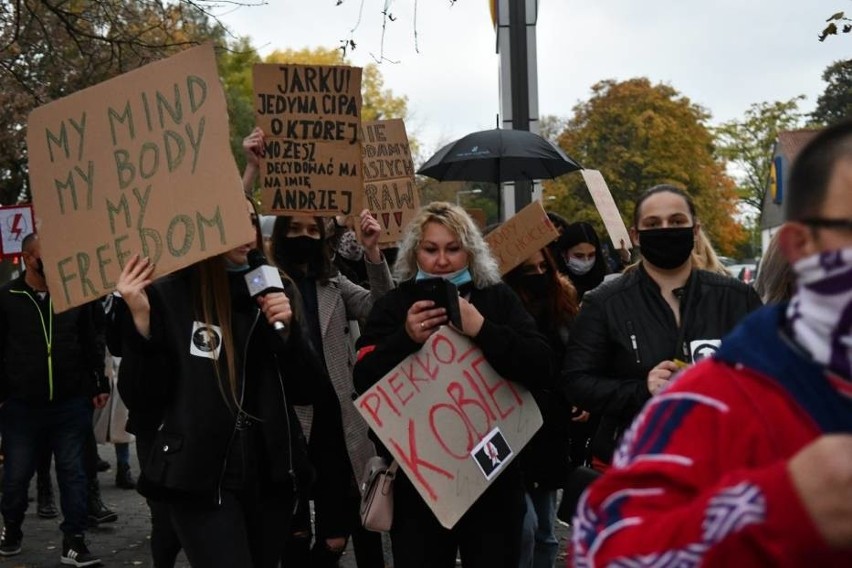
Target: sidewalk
(125,542)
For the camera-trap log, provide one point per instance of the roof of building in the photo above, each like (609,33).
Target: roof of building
(791,142)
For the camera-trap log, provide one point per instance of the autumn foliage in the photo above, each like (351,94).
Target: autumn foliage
(640,135)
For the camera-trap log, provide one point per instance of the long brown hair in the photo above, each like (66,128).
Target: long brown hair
(561,305)
(212,297)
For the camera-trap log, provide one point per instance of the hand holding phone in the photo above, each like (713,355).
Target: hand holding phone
(445,295)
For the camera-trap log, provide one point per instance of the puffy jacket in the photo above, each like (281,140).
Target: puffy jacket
(625,328)
(47,356)
(165,376)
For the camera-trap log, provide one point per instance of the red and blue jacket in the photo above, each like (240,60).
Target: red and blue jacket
(701,477)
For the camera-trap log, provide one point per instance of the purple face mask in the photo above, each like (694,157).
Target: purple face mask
(820,312)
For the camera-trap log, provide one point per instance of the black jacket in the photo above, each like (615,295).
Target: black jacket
(46,356)
(509,338)
(625,328)
(195,444)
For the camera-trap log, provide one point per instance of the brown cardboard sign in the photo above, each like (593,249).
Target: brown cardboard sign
(607,208)
(528,231)
(450,421)
(311,118)
(389,190)
(139,163)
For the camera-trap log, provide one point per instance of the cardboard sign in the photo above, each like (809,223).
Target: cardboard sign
(389,190)
(607,208)
(16,222)
(139,163)
(450,421)
(311,118)
(528,231)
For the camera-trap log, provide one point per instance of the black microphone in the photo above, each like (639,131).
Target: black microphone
(263,279)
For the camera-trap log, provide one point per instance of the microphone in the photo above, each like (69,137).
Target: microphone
(263,279)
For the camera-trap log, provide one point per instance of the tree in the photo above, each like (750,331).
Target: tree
(378,103)
(835,103)
(831,28)
(748,144)
(640,135)
(52,48)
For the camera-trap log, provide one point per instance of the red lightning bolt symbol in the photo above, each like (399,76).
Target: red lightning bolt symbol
(15,229)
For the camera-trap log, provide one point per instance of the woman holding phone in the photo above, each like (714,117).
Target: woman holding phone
(443,241)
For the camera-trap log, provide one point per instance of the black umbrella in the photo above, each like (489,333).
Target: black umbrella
(497,156)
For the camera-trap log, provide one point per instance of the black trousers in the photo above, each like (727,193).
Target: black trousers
(247,530)
(487,536)
(165,544)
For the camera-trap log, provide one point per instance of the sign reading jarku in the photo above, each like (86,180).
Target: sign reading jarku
(450,421)
(311,119)
(138,164)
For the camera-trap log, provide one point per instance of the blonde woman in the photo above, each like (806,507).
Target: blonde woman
(443,241)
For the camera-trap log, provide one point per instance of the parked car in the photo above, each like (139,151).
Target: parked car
(744,272)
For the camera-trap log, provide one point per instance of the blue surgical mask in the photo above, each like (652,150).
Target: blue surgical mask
(580,266)
(459,277)
(231,267)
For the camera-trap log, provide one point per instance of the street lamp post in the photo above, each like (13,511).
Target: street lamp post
(466,192)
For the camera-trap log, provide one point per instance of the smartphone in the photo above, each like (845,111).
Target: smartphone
(445,295)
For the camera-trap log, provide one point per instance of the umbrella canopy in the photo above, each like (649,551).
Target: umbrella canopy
(497,156)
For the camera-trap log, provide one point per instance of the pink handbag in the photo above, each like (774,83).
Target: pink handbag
(377,494)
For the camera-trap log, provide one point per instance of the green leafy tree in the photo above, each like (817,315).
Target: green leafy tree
(835,103)
(378,102)
(837,23)
(52,48)
(640,135)
(747,143)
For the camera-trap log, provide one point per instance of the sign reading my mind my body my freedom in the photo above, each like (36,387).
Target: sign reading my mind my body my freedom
(139,163)
(311,119)
(450,421)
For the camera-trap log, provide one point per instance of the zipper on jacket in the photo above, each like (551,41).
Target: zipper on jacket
(48,337)
(239,410)
(633,341)
(291,471)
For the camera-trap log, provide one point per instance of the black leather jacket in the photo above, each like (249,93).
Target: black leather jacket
(625,328)
(166,375)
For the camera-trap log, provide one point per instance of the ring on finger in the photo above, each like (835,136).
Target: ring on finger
(422,325)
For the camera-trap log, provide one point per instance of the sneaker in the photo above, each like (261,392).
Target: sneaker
(10,540)
(76,553)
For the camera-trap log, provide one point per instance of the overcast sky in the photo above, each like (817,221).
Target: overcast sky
(722,54)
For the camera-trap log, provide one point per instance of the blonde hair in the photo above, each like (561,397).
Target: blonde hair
(704,257)
(483,267)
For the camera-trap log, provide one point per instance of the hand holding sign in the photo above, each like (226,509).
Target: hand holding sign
(370,233)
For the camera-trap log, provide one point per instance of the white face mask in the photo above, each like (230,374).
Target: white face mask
(820,312)
(579,266)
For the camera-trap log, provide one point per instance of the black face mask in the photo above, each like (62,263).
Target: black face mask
(536,285)
(301,250)
(667,248)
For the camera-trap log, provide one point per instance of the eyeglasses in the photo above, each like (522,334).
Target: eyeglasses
(824,223)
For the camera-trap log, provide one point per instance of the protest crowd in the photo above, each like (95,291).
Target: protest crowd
(320,379)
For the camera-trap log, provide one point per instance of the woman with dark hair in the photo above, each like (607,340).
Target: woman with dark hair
(584,259)
(338,444)
(547,460)
(228,456)
(635,332)
(442,241)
